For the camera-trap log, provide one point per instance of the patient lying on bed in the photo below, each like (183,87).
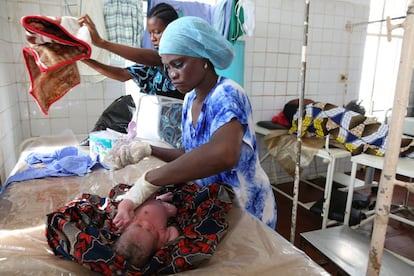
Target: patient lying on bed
(347,127)
(148,231)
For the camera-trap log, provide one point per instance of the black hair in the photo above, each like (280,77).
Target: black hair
(163,11)
(355,106)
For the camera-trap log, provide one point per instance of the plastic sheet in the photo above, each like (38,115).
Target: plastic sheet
(249,248)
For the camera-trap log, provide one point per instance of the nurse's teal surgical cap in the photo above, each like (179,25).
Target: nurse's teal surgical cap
(193,36)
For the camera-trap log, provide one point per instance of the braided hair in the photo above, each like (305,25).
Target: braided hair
(165,12)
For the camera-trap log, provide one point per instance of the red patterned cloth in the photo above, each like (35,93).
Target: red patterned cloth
(82,231)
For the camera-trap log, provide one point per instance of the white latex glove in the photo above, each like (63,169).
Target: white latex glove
(141,191)
(124,153)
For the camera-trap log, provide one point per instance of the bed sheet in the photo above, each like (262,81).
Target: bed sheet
(249,248)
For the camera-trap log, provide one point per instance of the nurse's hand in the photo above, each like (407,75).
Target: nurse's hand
(125,153)
(95,37)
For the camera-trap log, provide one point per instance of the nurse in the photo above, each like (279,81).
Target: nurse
(219,142)
(148,73)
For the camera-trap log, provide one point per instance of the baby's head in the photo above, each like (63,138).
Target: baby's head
(136,245)
(147,232)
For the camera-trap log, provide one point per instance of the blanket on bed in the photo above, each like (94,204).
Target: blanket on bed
(82,230)
(56,43)
(357,133)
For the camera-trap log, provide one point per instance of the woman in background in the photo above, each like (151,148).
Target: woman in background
(148,73)
(219,142)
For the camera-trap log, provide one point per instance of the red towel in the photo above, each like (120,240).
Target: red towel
(51,58)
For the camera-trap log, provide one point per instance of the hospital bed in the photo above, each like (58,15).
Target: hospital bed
(329,155)
(249,247)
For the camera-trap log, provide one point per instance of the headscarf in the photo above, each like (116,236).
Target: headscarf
(193,36)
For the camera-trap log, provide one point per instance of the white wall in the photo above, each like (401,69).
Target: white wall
(20,117)
(10,126)
(273,58)
(272,73)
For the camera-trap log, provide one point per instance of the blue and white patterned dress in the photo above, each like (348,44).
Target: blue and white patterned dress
(226,101)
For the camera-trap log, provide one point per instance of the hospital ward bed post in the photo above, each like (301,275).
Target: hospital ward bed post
(330,155)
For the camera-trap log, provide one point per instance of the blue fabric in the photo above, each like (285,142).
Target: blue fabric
(220,17)
(184,8)
(193,36)
(67,161)
(248,179)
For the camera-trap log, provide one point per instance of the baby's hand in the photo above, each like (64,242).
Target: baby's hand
(165,197)
(124,215)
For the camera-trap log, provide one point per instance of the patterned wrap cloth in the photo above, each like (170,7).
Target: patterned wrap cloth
(82,231)
(358,134)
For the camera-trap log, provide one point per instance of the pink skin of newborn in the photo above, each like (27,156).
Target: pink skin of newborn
(148,230)
(153,215)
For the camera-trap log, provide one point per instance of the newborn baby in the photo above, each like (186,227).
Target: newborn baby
(147,231)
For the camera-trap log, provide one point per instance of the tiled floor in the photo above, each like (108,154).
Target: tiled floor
(400,236)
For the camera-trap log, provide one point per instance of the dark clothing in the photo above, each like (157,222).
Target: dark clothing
(154,80)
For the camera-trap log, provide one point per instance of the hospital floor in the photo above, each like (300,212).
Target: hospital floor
(400,237)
